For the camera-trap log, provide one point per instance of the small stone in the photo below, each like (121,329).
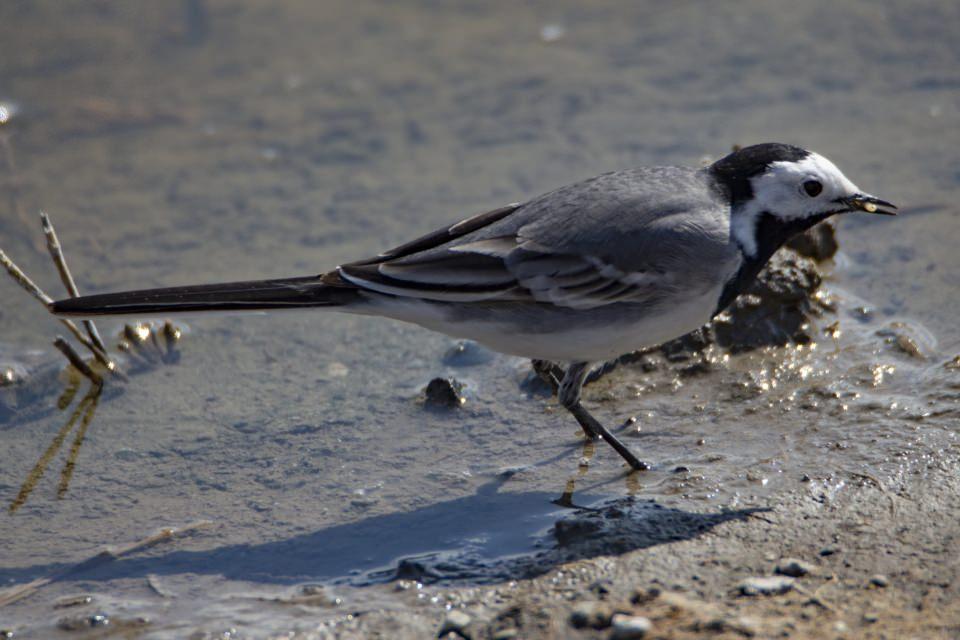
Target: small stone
(794,568)
(314,595)
(506,634)
(444,393)
(412,570)
(98,620)
(863,313)
(879,581)
(870,618)
(455,621)
(828,551)
(591,614)
(79,623)
(674,600)
(746,627)
(765,586)
(626,627)
(600,588)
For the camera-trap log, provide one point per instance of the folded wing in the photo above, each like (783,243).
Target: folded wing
(634,236)
(506,269)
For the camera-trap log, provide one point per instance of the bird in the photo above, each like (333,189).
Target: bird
(574,278)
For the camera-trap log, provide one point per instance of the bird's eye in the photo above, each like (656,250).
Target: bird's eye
(813,188)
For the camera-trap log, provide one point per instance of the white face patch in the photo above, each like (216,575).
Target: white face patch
(780,191)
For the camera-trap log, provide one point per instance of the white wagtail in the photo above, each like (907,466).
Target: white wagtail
(580,275)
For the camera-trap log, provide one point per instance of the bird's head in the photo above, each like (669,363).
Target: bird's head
(790,184)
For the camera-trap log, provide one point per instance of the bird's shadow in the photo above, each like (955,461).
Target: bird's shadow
(490,536)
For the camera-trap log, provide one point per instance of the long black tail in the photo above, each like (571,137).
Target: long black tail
(284,293)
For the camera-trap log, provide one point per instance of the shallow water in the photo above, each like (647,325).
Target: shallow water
(188,142)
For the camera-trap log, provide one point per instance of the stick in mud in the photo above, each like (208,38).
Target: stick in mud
(8,596)
(75,359)
(33,289)
(56,252)
(138,335)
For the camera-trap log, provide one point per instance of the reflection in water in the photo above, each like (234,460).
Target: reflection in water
(90,402)
(83,412)
(143,348)
(631,478)
(566,500)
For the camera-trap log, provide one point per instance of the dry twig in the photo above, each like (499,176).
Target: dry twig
(56,252)
(33,289)
(64,347)
(19,592)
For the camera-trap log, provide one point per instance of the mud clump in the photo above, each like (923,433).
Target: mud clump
(443,394)
(776,310)
(779,308)
(818,243)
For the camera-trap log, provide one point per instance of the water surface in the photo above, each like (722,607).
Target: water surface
(188,142)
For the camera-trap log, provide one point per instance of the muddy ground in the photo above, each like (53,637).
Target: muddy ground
(315,491)
(876,570)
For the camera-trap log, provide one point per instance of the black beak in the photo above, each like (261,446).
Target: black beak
(868,203)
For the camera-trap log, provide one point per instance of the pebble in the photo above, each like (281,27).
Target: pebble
(794,568)
(79,623)
(444,393)
(591,614)
(506,634)
(870,618)
(455,621)
(879,580)
(743,626)
(626,627)
(765,586)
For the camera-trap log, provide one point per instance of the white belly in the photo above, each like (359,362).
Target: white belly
(590,335)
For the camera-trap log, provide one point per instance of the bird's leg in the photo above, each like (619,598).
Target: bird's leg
(568,385)
(569,397)
(549,372)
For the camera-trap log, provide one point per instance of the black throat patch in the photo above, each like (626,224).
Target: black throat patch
(770,233)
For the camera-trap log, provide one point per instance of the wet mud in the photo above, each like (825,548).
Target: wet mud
(318,486)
